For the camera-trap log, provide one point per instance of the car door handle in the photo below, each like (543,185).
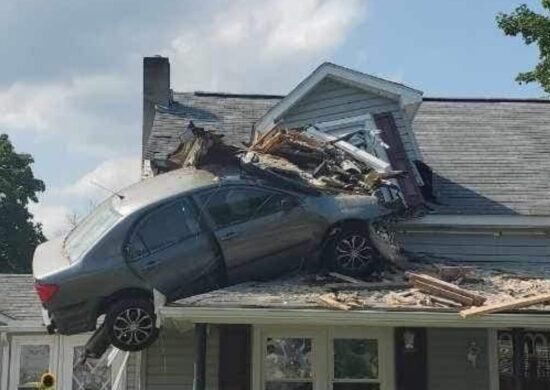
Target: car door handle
(228,236)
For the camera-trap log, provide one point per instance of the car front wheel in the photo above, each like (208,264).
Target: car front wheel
(131,324)
(351,252)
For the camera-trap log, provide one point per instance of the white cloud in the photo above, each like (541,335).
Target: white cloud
(53,211)
(260,46)
(54,218)
(77,111)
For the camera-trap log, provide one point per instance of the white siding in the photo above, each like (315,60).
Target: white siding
(332,100)
(448,368)
(169,362)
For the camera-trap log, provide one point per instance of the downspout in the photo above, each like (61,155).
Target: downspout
(199,379)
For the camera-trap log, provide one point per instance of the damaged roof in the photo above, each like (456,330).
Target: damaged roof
(305,292)
(18,300)
(232,115)
(488,156)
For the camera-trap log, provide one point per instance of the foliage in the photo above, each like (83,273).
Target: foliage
(19,235)
(534,28)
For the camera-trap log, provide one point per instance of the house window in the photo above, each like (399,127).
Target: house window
(323,358)
(32,357)
(355,364)
(288,364)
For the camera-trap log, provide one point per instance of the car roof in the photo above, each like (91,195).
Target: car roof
(162,187)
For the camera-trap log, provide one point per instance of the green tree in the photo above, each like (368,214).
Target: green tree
(19,235)
(534,28)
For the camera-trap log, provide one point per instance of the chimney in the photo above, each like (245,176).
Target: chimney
(156,90)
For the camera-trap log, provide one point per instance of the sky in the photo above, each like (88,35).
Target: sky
(71,71)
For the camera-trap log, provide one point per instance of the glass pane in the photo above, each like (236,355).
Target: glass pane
(34,361)
(355,359)
(235,206)
(164,228)
(288,358)
(356,386)
(92,375)
(288,386)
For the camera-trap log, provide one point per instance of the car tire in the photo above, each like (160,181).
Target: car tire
(350,252)
(131,324)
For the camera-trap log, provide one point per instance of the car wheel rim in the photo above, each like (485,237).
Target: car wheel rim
(353,253)
(133,326)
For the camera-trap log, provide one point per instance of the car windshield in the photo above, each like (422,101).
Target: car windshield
(87,232)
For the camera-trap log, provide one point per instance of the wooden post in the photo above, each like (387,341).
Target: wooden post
(199,378)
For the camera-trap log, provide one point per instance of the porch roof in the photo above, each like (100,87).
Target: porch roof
(301,294)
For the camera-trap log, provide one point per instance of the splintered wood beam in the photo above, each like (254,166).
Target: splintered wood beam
(505,306)
(345,278)
(367,286)
(443,293)
(330,300)
(439,284)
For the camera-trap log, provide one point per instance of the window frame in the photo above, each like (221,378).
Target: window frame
(150,213)
(323,352)
(17,342)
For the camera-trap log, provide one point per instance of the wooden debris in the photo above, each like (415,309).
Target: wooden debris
(331,301)
(446,302)
(444,289)
(505,306)
(367,286)
(345,278)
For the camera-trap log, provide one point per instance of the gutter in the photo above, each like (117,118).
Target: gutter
(263,316)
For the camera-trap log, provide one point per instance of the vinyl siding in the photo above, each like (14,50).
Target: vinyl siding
(448,368)
(132,372)
(331,100)
(169,362)
(488,246)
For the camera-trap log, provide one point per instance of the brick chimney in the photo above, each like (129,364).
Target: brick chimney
(156,90)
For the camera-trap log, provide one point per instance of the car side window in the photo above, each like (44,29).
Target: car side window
(237,205)
(163,228)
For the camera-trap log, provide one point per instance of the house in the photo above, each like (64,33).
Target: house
(27,350)
(480,165)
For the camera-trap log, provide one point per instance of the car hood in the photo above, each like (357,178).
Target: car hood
(48,258)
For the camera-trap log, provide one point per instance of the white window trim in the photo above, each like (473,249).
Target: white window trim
(15,359)
(4,360)
(322,350)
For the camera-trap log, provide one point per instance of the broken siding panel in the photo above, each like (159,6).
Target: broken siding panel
(169,363)
(448,368)
(488,246)
(331,100)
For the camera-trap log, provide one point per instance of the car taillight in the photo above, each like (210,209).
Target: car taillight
(45,291)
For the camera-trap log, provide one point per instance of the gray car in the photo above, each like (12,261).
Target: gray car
(186,232)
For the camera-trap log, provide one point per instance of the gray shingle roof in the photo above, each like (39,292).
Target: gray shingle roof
(18,299)
(488,156)
(229,114)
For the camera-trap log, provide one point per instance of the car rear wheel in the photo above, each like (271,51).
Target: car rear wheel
(131,324)
(351,252)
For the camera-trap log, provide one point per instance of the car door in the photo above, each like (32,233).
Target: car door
(171,252)
(262,232)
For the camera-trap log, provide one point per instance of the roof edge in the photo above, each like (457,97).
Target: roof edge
(485,100)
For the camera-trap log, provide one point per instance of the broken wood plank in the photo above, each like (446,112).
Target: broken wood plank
(446,302)
(443,293)
(505,306)
(478,300)
(345,278)
(330,300)
(367,286)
